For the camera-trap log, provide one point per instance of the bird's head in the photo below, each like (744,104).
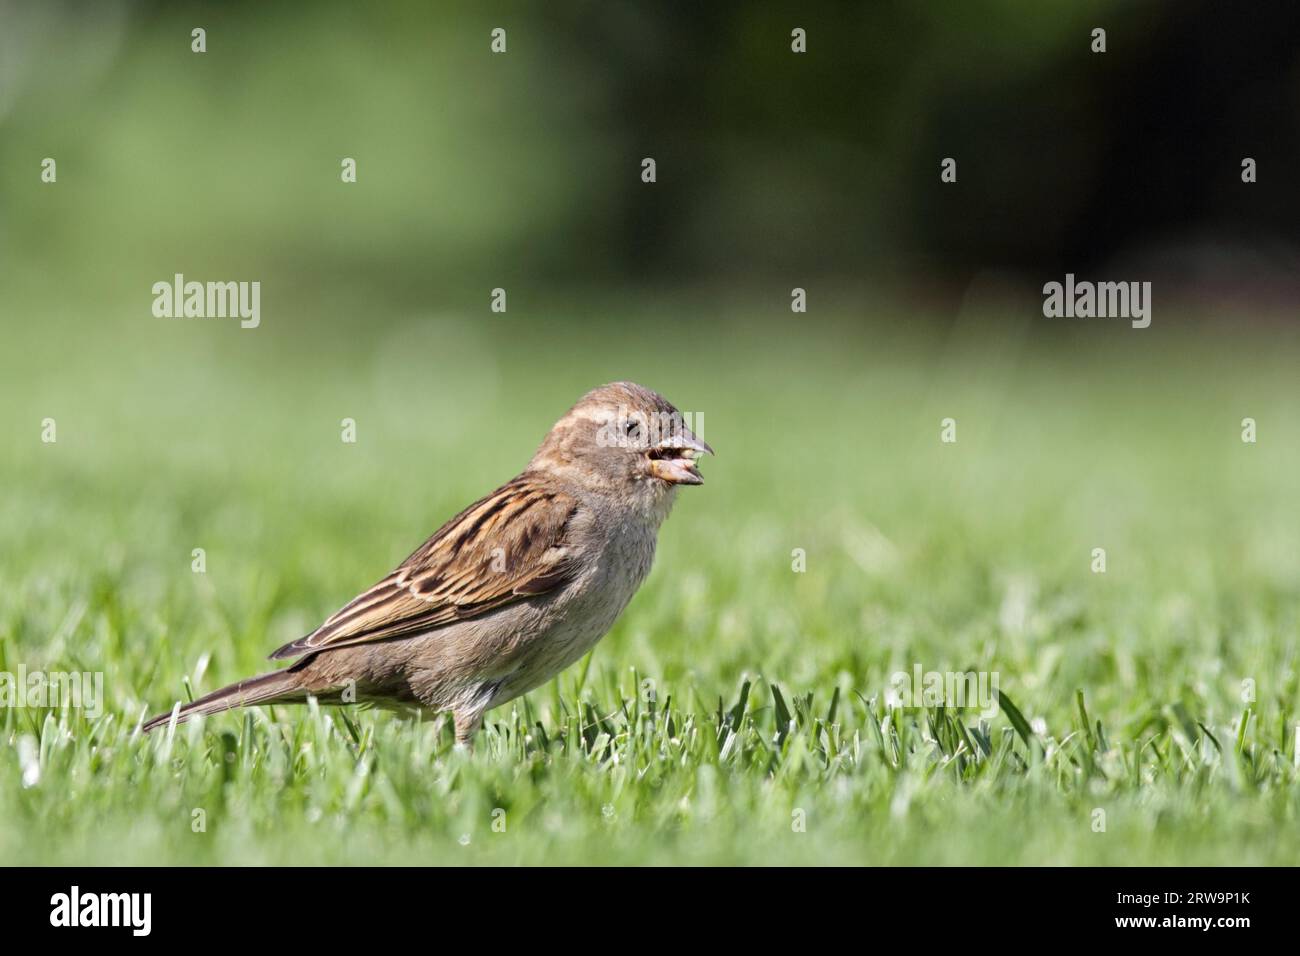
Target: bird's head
(624,438)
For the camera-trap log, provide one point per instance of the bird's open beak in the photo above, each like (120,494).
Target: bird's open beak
(673,459)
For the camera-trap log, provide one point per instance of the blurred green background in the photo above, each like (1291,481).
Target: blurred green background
(775,170)
(521,170)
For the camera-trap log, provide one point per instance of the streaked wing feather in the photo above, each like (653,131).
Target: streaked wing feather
(506,547)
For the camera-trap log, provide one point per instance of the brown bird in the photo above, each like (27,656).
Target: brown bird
(513,589)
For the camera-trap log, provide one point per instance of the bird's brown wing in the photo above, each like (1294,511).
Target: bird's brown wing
(511,545)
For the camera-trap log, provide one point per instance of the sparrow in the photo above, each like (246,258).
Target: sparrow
(509,592)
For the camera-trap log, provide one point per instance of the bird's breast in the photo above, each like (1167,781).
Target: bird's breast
(570,624)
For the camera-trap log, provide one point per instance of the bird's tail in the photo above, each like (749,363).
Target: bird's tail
(285,685)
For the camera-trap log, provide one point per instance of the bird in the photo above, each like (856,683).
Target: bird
(510,591)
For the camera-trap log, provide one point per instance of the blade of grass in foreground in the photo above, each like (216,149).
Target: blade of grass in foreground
(1017,719)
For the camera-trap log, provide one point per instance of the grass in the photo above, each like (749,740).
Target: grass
(738,712)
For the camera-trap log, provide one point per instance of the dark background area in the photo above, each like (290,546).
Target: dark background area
(1066,158)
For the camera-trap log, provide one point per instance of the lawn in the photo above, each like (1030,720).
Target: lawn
(739,712)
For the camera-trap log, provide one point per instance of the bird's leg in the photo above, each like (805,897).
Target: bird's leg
(467,725)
